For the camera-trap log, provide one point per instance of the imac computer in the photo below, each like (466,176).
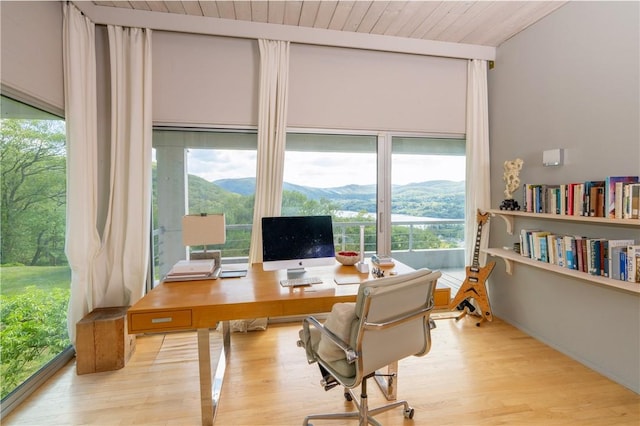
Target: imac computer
(295,242)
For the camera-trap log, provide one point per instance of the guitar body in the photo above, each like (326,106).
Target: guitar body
(474,286)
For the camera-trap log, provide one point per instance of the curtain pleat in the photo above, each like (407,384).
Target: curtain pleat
(82,241)
(478,194)
(110,271)
(272,122)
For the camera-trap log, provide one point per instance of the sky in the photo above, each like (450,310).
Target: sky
(326,170)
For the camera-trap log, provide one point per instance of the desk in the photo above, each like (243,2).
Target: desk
(201,305)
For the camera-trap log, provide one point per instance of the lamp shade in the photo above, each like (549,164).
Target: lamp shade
(202,230)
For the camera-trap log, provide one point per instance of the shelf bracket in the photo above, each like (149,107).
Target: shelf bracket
(508,263)
(508,220)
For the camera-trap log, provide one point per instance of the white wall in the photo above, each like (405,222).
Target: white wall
(570,81)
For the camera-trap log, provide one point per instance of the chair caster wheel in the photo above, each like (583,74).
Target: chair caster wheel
(348,397)
(408,413)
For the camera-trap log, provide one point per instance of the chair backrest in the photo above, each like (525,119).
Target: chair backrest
(393,319)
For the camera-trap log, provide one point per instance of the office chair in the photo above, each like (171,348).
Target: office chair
(389,321)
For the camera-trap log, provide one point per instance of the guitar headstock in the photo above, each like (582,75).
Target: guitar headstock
(482,218)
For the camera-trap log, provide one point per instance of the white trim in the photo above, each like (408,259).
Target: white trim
(105,15)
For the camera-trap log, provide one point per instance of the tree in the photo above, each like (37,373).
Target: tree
(33,328)
(33,172)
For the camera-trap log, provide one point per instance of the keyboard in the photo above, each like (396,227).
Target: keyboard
(295,282)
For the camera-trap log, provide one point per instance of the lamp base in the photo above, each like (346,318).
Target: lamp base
(362,267)
(209,254)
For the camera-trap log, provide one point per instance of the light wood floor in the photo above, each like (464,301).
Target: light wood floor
(489,375)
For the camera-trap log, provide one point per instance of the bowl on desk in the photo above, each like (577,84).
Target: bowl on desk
(348,258)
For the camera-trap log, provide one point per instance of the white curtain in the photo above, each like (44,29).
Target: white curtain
(478,195)
(82,239)
(121,267)
(272,122)
(110,271)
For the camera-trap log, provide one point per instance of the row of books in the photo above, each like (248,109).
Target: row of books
(615,197)
(615,259)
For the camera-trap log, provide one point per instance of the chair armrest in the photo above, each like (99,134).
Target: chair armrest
(350,354)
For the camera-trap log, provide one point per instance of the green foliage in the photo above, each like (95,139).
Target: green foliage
(33,172)
(33,330)
(297,204)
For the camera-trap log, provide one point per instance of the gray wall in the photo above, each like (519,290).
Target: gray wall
(570,81)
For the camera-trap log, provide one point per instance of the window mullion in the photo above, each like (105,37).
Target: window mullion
(383,217)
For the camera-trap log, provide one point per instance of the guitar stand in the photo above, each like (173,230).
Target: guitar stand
(468,309)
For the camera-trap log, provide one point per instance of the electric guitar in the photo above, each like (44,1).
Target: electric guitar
(474,286)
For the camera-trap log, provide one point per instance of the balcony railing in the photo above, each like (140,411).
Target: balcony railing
(408,241)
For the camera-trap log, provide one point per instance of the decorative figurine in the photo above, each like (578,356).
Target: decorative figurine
(511,171)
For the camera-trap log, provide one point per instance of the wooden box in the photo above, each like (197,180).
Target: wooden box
(442,297)
(102,341)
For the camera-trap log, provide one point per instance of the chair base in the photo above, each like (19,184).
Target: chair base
(363,413)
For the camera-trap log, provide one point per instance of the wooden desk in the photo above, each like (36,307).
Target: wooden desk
(201,305)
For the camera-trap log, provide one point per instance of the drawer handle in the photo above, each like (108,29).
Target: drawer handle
(161,320)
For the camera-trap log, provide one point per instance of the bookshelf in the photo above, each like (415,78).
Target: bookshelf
(510,257)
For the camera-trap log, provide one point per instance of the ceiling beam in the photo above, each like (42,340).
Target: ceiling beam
(255,30)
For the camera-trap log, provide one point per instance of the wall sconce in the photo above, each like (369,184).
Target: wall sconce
(553,157)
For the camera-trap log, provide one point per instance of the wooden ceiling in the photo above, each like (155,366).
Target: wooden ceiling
(486,23)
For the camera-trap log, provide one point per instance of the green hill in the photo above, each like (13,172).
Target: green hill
(437,198)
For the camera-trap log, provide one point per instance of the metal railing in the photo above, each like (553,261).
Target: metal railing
(408,244)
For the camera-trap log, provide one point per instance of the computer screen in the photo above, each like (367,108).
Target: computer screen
(296,242)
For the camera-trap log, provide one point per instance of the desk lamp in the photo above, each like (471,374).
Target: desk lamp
(202,230)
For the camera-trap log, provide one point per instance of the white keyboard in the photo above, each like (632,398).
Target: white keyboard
(295,282)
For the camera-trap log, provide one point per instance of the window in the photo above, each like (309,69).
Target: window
(428,201)
(343,174)
(202,171)
(334,174)
(35,273)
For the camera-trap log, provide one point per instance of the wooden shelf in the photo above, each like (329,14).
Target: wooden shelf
(510,257)
(510,215)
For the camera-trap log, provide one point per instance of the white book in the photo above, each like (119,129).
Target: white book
(613,256)
(198,267)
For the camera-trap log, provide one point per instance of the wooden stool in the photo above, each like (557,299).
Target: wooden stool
(102,341)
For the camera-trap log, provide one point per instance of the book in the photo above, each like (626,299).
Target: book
(612,256)
(594,248)
(191,270)
(623,263)
(613,191)
(633,274)
(560,253)
(187,267)
(634,200)
(593,204)
(525,241)
(539,245)
(570,251)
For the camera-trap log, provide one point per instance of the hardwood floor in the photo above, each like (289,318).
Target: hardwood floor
(489,375)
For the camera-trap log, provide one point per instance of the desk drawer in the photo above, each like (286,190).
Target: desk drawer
(167,320)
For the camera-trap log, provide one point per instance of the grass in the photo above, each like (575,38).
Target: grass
(14,279)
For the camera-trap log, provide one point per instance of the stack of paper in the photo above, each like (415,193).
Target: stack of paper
(187,270)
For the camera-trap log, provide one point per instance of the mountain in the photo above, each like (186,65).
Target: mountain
(436,198)
(247,186)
